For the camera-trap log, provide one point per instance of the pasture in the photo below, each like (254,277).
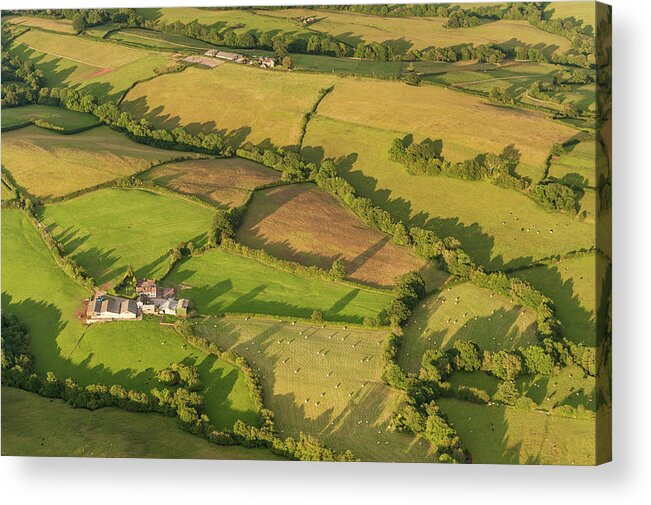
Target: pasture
(576,166)
(219,282)
(580,11)
(53,118)
(221,182)
(465,312)
(421,33)
(324,382)
(127,353)
(571,284)
(102,68)
(512,230)
(571,386)
(56,25)
(500,434)
(304,223)
(48,164)
(156,40)
(105,233)
(468,125)
(36,426)
(248,105)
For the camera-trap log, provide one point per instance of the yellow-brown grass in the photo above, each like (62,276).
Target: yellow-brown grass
(225,182)
(49,164)
(247,104)
(306,224)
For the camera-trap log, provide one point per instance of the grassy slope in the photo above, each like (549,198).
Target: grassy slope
(581,11)
(104,69)
(49,303)
(421,33)
(223,182)
(571,283)
(491,321)
(246,104)
(37,426)
(221,282)
(325,382)
(499,434)
(491,234)
(57,25)
(60,118)
(576,166)
(109,229)
(42,161)
(288,222)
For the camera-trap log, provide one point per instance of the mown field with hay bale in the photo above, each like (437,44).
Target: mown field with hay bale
(324,381)
(219,282)
(222,182)
(286,222)
(255,106)
(43,162)
(102,231)
(38,426)
(465,312)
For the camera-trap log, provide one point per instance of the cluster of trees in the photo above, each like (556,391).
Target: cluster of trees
(555,197)
(420,159)
(485,53)
(20,80)
(179,374)
(461,19)
(16,357)
(498,95)
(287,162)
(374,51)
(86,18)
(224,225)
(409,288)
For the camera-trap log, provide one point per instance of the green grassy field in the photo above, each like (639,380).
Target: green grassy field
(571,386)
(239,21)
(54,118)
(512,230)
(219,282)
(246,104)
(126,353)
(466,312)
(104,230)
(57,25)
(36,426)
(322,381)
(287,222)
(48,164)
(498,434)
(576,167)
(222,182)
(571,284)
(104,69)
(157,40)
(421,32)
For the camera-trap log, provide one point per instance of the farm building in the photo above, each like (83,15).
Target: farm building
(104,307)
(182,307)
(146,287)
(224,55)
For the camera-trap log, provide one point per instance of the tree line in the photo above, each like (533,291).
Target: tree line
(426,158)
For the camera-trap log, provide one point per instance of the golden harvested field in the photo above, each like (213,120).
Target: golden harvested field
(324,382)
(581,11)
(422,32)
(304,223)
(465,312)
(468,125)
(57,25)
(496,226)
(244,103)
(48,164)
(224,182)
